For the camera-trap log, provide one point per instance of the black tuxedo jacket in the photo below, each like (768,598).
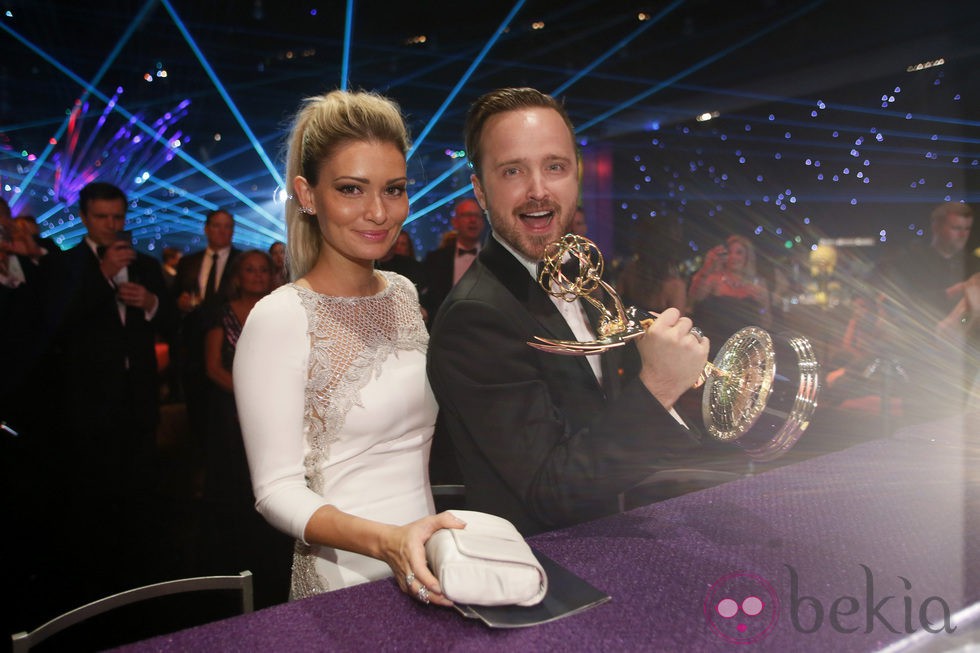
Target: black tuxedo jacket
(189,269)
(191,329)
(538,441)
(106,370)
(439,266)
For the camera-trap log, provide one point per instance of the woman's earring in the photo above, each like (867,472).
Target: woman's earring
(307,210)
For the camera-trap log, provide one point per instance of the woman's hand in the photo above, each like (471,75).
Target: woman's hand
(714,260)
(404,551)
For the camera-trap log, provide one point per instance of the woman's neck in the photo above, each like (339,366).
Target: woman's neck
(343,278)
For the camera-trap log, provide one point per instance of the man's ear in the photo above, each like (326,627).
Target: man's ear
(478,191)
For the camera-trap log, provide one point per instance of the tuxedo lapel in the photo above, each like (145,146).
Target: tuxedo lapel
(514,276)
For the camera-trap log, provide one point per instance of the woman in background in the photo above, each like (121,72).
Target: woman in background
(337,414)
(649,280)
(280,275)
(235,537)
(727,293)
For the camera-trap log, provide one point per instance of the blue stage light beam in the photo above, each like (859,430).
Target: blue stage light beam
(230,154)
(618,46)
(149,130)
(699,65)
(83,152)
(435,205)
(465,78)
(223,92)
(453,169)
(186,196)
(95,80)
(438,180)
(836,106)
(348,32)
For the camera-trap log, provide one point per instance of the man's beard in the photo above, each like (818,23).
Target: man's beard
(532,246)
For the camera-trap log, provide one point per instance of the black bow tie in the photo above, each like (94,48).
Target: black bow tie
(463,252)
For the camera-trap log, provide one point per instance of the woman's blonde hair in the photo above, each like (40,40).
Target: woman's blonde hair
(749,271)
(322,124)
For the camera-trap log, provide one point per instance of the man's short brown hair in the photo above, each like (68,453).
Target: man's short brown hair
(503,100)
(946,208)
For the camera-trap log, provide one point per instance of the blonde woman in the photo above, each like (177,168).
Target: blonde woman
(727,293)
(336,412)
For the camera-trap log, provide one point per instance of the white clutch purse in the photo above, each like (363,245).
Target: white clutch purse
(486,563)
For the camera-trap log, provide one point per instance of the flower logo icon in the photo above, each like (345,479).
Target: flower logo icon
(741,607)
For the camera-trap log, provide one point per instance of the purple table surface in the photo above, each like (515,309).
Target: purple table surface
(821,545)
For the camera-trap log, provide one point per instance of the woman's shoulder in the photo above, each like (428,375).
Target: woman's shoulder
(399,284)
(283,302)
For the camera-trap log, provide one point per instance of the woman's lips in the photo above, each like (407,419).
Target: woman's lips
(374,235)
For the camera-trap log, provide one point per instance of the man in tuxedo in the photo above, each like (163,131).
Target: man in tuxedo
(202,277)
(21,255)
(200,288)
(445,266)
(546,440)
(104,309)
(923,310)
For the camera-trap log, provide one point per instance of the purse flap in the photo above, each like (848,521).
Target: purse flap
(487,563)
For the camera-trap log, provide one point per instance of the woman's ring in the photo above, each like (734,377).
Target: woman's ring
(696,332)
(423,594)
(409,579)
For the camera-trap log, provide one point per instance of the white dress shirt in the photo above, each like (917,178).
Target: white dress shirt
(202,277)
(574,314)
(121,277)
(462,262)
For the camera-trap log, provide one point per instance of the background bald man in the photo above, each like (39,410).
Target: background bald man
(444,267)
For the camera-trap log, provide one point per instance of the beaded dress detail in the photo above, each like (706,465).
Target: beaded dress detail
(350,340)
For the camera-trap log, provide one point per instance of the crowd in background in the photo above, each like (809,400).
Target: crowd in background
(68,422)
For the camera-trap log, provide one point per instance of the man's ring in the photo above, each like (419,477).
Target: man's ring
(696,332)
(409,579)
(423,594)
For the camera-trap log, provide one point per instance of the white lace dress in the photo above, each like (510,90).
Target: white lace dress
(336,409)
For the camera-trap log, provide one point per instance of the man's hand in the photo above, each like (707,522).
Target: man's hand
(672,356)
(187,302)
(135,295)
(117,256)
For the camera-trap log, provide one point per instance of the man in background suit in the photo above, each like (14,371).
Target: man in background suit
(195,270)
(445,266)
(545,440)
(200,288)
(104,309)
(922,309)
